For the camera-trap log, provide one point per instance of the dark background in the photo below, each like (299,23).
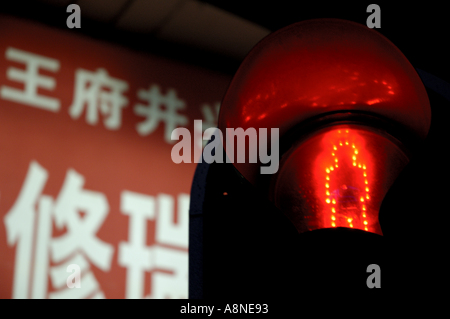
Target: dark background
(420,31)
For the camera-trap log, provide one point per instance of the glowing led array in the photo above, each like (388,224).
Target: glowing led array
(344,143)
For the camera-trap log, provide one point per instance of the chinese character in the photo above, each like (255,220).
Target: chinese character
(139,258)
(71,200)
(32,207)
(154,111)
(210,118)
(31,80)
(134,254)
(100,93)
(167,232)
(164,285)
(174,260)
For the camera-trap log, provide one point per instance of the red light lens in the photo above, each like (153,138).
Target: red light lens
(320,66)
(338,178)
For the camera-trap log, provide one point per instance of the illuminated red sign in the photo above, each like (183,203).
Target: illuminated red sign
(86,176)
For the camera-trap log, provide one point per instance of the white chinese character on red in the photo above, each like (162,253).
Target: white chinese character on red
(165,285)
(32,207)
(159,108)
(100,93)
(135,255)
(210,118)
(173,285)
(140,258)
(31,80)
(72,200)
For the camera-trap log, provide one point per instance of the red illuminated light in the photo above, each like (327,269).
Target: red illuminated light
(344,172)
(321,66)
(338,178)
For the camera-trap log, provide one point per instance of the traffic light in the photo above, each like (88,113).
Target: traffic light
(352,114)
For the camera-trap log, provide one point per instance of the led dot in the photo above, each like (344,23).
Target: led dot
(336,160)
(356,151)
(331,168)
(362,199)
(327,170)
(336,165)
(359,165)
(364,215)
(327,178)
(349,220)
(340,143)
(327,185)
(333,224)
(333,210)
(334,147)
(366,182)
(354,157)
(327,200)
(353,145)
(363,207)
(364,174)
(333,201)
(328,193)
(332,154)
(354,164)
(364,166)
(346,131)
(333,218)
(365,222)
(346,143)
(365,228)
(351,225)
(367,196)
(367,189)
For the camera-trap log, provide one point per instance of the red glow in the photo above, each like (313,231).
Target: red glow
(344,168)
(374,101)
(337,177)
(319,66)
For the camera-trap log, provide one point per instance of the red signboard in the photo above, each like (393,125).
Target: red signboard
(92,205)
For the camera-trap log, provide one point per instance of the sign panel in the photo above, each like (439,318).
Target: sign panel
(92,205)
